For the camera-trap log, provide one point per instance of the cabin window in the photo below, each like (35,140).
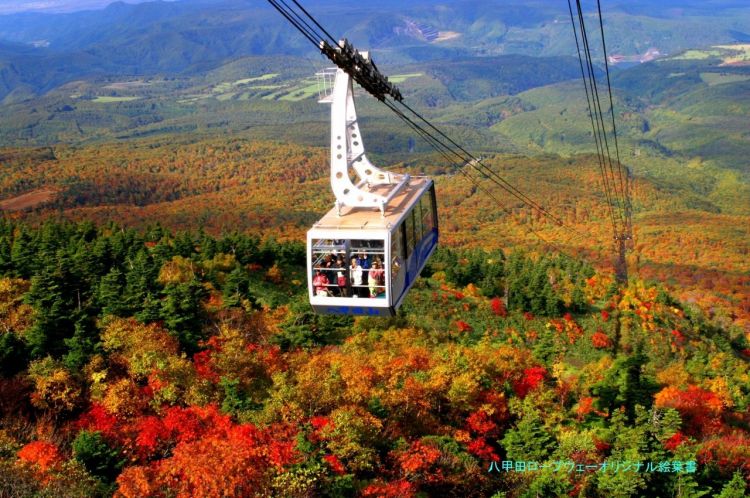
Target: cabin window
(397,259)
(417,214)
(427,216)
(348,268)
(409,233)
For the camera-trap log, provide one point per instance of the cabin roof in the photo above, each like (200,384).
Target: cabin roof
(366,218)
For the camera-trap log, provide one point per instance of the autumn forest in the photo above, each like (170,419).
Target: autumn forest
(156,336)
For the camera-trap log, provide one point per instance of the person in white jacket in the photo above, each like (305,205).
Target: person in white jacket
(355,275)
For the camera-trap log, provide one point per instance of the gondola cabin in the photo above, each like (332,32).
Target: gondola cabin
(364,255)
(362,263)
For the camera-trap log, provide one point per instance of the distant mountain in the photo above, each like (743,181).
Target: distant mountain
(14,6)
(191,37)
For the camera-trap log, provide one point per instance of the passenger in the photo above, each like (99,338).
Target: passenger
(320,284)
(341,277)
(330,272)
(364,262)
(355,276)
(377,279)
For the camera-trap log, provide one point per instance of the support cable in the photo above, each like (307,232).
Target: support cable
(294,22)
(594,128)
(598,111)
(445,151)
(611,101)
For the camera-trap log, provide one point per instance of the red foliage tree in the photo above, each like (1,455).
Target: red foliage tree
(212,457)
(498,307)
(204,366)
(480,423)
(335,464)
(45,455)
(729,453)
(396,489)
(418,458)
(480,449)
(532,378)
(463,326)
(585,406)
(98,419)
(151,435)
(674,442)
(600,340)
(701,410)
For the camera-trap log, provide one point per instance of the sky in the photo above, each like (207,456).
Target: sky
(12,6)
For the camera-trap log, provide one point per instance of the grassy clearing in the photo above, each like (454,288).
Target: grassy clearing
(738,53)
(109,100)
(264,77)
(222,87)
(730,54)
(713,79)
(400,78)
(265,87)
(695,55)
(227,90)
(306,89)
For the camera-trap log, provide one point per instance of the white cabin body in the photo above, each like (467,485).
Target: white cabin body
(401,239)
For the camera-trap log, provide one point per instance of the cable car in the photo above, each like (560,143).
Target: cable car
(364,255)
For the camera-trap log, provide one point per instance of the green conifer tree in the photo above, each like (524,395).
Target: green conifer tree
(110,294)
(736,488)
(236,287)
(182,311)
(6,261)
(53,311)
(140,280)
(23,255)
(529,440)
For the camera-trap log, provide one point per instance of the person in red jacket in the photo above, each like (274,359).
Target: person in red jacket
(320,284)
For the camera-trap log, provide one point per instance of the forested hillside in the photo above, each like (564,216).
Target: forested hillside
(152,363)
(280,190)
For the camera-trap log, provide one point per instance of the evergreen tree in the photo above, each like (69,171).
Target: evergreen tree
(54,309)
(306,329)
(23,255)
(628,445)
(163,251)
(150,310)
(83,344)
(529,440)
(735,488)
(625,385)
(182,310)
(51,237)
(102,251)
(96,454)
(140,280)
(6,261)
(184,245)
(493,275)
(207,245)
(14,354)
(236,288)
(110,294)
